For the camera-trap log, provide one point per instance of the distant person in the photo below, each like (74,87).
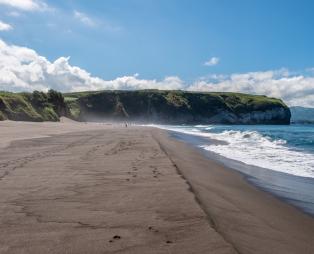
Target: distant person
(126,125)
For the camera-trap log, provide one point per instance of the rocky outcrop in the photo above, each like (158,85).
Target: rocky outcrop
(276,115)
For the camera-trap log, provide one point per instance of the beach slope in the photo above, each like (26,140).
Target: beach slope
(109,189)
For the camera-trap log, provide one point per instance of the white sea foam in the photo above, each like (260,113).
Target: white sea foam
(252,148)
(183,129)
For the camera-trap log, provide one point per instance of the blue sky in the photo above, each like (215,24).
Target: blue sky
(155,39)
(168,37)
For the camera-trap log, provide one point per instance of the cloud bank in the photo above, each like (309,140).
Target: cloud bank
(22,69)
(295,90)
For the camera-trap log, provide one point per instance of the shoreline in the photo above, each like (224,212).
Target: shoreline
(248,217)
(292,189)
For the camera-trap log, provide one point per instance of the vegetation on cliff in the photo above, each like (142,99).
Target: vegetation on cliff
(177,107)
(144,105)
(36,106)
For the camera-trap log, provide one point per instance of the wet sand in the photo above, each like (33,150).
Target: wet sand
(91,188)
(251,220)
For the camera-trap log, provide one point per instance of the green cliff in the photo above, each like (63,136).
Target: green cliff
(147,106)
(177,107)
(36,106)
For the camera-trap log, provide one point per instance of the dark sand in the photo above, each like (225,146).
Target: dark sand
(109,189)
(101,191)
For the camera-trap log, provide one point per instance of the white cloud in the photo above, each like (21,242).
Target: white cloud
(22,69)
(82,17)
(293,89)
(213,61)
(5,26)
(25,5)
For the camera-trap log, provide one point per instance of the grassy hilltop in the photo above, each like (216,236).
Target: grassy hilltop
(145,105)
(36,106)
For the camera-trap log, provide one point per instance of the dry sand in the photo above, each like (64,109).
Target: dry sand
(11,130)
(92,188)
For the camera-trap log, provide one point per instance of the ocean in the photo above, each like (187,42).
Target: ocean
(276,158)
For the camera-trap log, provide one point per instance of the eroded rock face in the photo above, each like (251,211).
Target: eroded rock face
(271,116)
(276,115)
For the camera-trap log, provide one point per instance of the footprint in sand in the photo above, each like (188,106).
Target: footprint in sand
(116,237)
(150,228)
(155,171)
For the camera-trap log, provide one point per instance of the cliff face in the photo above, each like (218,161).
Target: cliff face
(147,106)
(270,116)
(177,107)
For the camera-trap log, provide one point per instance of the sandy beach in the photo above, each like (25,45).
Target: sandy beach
(92,188)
